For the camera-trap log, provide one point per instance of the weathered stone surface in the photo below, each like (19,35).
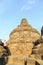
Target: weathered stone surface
(25,45)
(21,39)
(31,61)
(21,44)
(2,51)
(38,48)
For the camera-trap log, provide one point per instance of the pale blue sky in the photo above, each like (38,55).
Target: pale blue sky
(12,11)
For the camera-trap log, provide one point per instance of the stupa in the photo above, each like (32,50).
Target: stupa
(21,40)
(25,46)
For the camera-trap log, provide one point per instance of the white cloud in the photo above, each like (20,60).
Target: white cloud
(28,4)
(25,8)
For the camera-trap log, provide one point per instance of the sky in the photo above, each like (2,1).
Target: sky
(12,11)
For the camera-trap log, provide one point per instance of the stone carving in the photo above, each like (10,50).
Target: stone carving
(24,46)
(21,40)
(4,53)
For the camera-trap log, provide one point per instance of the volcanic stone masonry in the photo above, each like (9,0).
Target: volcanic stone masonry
(25,44)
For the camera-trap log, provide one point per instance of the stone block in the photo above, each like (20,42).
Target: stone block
(10,60)
(18,61)
(30,62)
